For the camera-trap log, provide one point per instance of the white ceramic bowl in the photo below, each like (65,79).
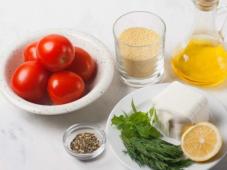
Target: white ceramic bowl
(12,57)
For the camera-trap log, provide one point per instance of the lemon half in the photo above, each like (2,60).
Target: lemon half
(201,142)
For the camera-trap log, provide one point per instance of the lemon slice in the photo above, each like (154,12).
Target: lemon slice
(201,142)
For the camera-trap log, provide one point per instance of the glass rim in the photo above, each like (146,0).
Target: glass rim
(146,12)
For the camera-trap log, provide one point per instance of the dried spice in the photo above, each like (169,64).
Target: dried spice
(85,143)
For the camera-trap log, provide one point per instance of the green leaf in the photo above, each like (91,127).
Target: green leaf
(119,121)
(139,117)
(147,131)
(133,106)
(153,115)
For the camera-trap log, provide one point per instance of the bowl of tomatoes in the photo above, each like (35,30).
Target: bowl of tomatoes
(55,71)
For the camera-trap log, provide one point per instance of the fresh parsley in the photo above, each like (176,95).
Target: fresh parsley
(143,141)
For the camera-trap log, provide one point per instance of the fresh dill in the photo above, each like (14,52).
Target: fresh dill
(143,141)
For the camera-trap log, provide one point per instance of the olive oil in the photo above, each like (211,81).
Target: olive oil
(202,62)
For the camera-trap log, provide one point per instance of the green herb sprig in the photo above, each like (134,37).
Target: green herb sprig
(143,141)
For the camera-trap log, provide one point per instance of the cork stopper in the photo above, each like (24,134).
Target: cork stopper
(206,5)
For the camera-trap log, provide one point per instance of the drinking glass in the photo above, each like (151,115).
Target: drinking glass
(140,65)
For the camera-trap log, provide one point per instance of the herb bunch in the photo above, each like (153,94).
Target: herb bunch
(144,144)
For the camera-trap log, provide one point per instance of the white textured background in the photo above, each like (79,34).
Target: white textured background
(32,142)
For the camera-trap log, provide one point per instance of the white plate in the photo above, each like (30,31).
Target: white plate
(142,99)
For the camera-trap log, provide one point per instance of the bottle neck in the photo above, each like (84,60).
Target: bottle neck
(205,22)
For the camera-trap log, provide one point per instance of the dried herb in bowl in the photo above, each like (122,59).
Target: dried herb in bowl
(85,143)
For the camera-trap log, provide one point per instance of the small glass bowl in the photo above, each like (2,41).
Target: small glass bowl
(71,133)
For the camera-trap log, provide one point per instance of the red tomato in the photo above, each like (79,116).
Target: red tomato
(65,87)
(83,64)
(29,81)
(30,52)
(55,52)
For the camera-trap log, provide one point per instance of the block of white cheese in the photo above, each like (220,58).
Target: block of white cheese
(179,106)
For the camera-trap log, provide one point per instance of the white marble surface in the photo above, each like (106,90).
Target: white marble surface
(33,142)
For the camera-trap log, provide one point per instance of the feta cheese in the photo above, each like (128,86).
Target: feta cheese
(178,106)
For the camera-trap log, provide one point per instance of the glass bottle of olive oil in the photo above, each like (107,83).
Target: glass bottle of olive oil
(203,61)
